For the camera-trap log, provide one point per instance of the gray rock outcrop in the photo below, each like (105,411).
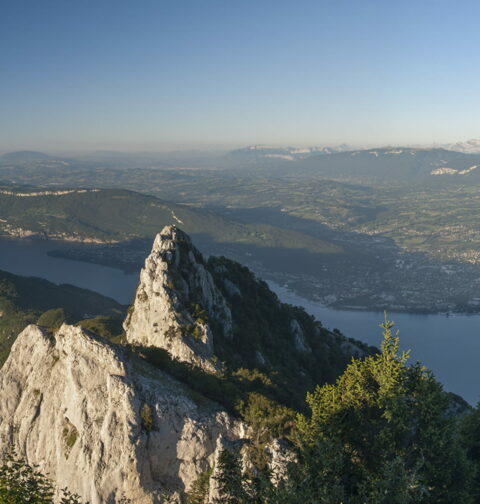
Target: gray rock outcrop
(177,303)
(281,456)
(103,422)
(298,337)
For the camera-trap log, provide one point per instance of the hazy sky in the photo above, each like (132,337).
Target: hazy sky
(154,74)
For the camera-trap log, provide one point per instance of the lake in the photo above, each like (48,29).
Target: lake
(29,258)
(449,345)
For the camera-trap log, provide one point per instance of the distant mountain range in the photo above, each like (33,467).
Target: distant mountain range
(471,146)
(404,164)
(387,164)
(25,157)
(255,153)
(259,151)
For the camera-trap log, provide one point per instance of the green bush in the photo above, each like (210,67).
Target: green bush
(146,417)
(109,328)
(199,490)
(54,318)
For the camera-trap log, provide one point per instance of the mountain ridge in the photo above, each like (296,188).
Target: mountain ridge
(25,156)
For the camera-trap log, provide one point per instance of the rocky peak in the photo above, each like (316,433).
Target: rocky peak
(177,305)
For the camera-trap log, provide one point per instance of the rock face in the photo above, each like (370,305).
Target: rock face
(102,422)
(299,338)
(281,455)
(177,304)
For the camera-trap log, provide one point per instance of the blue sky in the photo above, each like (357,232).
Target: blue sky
(155,74)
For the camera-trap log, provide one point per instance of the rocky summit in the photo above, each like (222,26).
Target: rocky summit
(102,419)
(177,302)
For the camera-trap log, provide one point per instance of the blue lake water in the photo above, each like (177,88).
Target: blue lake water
(29,258)
(450,346)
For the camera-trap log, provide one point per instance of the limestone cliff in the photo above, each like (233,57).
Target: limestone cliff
(103,422)
(177,302)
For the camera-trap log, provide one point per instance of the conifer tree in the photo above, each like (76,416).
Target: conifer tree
(21,483)
(382,434)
